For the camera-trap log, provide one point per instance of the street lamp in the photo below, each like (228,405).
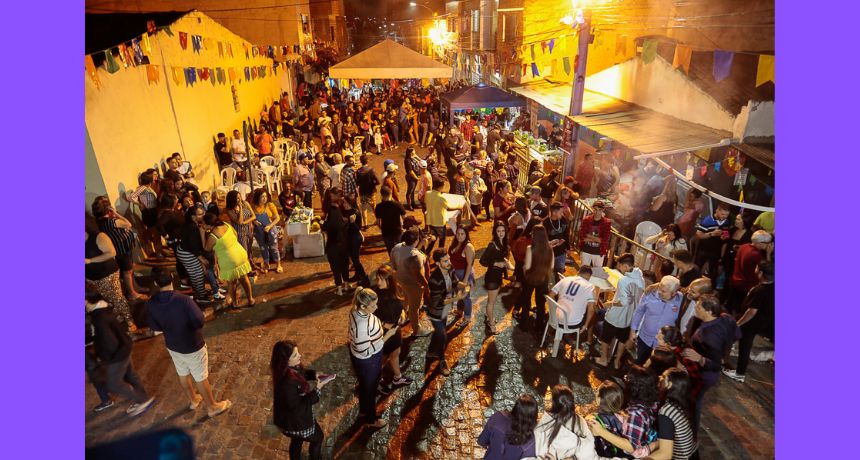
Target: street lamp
(422,6)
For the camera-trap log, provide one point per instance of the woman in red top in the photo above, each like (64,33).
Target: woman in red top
(502,200)
(462,255)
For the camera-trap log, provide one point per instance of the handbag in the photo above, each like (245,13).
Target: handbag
(486,259)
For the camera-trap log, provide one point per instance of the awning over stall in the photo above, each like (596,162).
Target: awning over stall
(646,131)
(389,59)
(480,96)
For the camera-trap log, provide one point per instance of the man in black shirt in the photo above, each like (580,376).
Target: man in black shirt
(389,218)
(222,151)
(687,270)
(758,318)
(558,231)
(536,204)
(366,180)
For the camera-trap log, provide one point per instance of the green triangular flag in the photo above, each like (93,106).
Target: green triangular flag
(566,62)
(168,31)
(110,62)
(649,51)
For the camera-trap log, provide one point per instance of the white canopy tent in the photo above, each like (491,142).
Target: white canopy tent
(389,59)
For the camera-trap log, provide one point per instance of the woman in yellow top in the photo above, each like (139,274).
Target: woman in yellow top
(264,229)
(232,260)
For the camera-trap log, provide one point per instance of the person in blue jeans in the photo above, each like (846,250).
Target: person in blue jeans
(462,255)
(264,229)
(656,309)
(445,290)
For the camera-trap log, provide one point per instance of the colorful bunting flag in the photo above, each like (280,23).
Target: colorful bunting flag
(177,75)
(190,76)
(554,67)
(110,63)
(551,45)
(168,31)
(525,67)
(212,76)
(230,49)
(247,73)
(649,51)
(196,43)
(722,64)
(765,72)
(183,40)
(220,49)
(621,45)
(566,62)
(231,72)
(146,44)
(543,46)
(90,66)
(138,53)
(150,27)
(683,54)
(152,74)
(207,44)
(535,72)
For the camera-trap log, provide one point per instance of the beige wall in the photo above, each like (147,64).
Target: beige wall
(660,88)
(134,125)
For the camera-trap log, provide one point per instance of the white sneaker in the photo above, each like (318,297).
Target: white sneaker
(137,409)
(732,374)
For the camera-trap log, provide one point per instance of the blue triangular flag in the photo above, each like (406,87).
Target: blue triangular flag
(535,72)
(551,45)
(722,64)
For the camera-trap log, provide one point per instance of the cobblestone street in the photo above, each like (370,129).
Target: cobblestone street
(436,417)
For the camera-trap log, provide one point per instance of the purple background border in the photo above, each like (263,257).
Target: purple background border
(44,378)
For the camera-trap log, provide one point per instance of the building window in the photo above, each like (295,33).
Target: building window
(476,20)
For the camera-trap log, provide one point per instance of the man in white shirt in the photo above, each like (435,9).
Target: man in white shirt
(575,295)
(334,172)
(238,148)
(619,313)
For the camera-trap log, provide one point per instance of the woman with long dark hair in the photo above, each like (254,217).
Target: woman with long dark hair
(242,219)
(295,391)
(351,212)
(676,439)
(462,254)
(560,432)
(641,429)
(510,435)
(610,404)
(495,258)
(739,235)
(537,270)
(390,312)
(366,340)
(502,199)
(266,215)
(337,239)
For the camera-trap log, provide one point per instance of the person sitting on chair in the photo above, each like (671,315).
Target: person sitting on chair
(575,295)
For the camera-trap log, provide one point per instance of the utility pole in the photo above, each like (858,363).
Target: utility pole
(578,91)
(579,75)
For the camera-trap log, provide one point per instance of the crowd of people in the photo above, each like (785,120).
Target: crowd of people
(668,330)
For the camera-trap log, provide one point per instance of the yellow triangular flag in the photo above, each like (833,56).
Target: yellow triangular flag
(765,72)
(177,75)
(145,44)
(683,53)
(91,70)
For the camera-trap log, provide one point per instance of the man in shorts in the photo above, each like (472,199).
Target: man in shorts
(181,321)
(619,312)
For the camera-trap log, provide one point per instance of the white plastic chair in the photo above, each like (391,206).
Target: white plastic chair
(243,188)
(228,176)
(645,229)
(268,161)
(560,329)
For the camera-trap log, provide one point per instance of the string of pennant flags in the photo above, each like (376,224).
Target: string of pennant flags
(561,55)
(136,52)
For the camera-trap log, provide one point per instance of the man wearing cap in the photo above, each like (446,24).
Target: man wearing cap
(594,236)
(744,276)
(536,205)
(390,180)
(425,183)
(347,178)
(303,179)
(656,309)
